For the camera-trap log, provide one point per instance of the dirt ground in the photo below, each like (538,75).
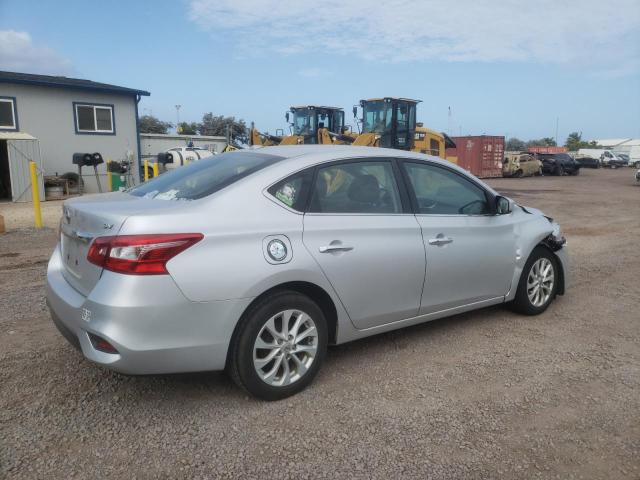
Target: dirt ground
(488,394)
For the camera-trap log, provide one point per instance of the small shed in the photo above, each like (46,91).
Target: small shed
(16,150)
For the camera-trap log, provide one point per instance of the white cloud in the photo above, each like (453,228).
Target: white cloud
(18,53)
(572,32)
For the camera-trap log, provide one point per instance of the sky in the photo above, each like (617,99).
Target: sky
(503,67)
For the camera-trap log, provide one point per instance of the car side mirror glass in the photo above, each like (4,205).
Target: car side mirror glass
(503,205)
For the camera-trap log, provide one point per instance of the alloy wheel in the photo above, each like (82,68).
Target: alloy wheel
(540,282)
(285,348)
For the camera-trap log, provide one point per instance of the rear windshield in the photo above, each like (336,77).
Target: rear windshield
(204,177)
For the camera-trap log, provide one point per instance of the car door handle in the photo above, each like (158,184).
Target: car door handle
(334,248)
(440,240)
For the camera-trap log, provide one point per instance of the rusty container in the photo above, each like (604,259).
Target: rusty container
(481,155)
(547,149)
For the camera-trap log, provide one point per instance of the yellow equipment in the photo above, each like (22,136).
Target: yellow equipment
(310,124)
(390,122)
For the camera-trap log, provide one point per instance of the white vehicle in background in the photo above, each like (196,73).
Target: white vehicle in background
(186,155)
(606,157)
(177,157)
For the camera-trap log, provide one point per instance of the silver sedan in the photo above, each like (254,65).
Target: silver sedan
(254,261)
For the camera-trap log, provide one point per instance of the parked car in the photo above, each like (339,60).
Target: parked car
(587,162)
(638,176)
(521,165)
(625,159)
(558,164)
(256,260)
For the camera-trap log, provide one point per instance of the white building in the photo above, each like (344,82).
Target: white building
(47,119)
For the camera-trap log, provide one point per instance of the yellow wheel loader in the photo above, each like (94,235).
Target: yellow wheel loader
(390,122)
(310,124)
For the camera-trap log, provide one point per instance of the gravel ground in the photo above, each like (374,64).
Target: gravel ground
(488,394)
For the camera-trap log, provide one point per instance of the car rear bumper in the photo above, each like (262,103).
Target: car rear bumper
(152,325)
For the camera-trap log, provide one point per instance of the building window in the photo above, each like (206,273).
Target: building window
(94,118)
(8,114)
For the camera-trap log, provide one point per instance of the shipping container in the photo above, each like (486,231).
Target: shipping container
(547,150)
(481,155)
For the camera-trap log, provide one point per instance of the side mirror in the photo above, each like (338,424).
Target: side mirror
(503,205)
(355,111)
(286,115)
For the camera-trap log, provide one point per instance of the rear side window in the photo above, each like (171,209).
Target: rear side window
(202,178)
(358,187)
(294,190)
(440,191)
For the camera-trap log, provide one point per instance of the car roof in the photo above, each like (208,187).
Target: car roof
(298,157)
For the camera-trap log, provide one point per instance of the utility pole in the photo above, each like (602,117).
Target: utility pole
(557,123)
(449,123)
(177,116)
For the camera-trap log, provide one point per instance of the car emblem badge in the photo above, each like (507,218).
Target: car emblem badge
(86,315)
(107,226)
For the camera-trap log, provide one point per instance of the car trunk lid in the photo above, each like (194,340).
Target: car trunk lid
(86,218)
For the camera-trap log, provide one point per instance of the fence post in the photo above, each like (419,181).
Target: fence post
(109,176)
(35,193)
(146,169)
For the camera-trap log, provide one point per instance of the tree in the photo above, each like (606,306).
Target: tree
(542,142)
(574,142)
(185,128)
(515,145)
(219,124)
(151,124)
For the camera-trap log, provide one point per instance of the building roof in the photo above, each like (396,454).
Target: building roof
(16,136)
(67,82)
(318,107)
(617,142)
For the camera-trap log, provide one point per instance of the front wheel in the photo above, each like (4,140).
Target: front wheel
(559,170)
(538,283)
(279,346)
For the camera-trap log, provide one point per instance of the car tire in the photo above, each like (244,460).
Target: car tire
(292,365)
(519,174)
(531,281)
(559,171)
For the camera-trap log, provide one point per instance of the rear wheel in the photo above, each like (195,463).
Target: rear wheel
(519,174)
(538,283)
(559,170)
(279,347)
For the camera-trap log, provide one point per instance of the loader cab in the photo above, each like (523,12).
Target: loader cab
(392,119)
(306,121)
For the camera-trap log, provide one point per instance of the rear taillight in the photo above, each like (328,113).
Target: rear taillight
(139,254)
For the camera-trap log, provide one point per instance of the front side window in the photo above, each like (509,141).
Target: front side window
(304,122)
(440,191)
(377,116)
(8,116)
(205,177)
(358,187)
(94,118)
